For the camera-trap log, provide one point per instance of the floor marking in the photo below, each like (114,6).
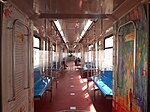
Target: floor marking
(71,86)
(72,94)
(72,108)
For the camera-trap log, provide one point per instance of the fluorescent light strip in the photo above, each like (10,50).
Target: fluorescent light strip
(67,46)
(3,1)
(60,31)
(88,24)
(82,34)
(62,34)
(75,46)
(57,25)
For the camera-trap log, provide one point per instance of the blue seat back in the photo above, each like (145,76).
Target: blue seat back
(106,77)
(108,74)
(37,75)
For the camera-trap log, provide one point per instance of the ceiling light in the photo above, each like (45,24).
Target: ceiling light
(3,1)
(62,34)
(57,25)
(60,30)
(67,46)
(88,24)
(75,46)
(82,34)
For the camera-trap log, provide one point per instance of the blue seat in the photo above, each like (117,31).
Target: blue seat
(88,70)
(107,74)
(104,83)
(41,83)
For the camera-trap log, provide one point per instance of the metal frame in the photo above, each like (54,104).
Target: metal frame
(127,23)
(1,21)
(13,58)
(148,30)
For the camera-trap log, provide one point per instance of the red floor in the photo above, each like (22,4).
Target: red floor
(72,94)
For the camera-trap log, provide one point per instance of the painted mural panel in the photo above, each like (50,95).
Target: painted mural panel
(126,64)
(130,63)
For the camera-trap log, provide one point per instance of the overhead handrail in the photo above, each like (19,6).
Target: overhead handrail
(13,58)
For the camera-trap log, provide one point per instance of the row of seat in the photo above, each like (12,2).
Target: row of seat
(43,81)
(41,84)
(88,70)
(104,83)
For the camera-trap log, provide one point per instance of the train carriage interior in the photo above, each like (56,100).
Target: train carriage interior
(74,56)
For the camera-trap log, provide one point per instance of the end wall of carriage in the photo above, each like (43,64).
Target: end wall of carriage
(130,62)
(17,63)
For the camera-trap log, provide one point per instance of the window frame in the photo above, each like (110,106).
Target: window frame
(105,40)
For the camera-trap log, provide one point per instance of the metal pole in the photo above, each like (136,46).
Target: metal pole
(148,30)
(1,18)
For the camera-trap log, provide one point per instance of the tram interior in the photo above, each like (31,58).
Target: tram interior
(75,55)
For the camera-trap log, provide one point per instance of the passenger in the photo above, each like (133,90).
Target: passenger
(77,61)
(64,64)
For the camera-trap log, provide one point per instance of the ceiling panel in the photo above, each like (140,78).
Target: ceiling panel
(75,6)
(72,28)
(74,14)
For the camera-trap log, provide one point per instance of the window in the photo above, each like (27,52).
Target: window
(36,50)
(36,42)
(108,42)
(53,52)
(44,45)
(108,52)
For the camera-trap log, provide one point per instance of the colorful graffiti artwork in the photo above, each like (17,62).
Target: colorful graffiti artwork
(130,76)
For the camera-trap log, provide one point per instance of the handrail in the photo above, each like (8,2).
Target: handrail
(134,45)
(13,64)
(13,58)
(29,58)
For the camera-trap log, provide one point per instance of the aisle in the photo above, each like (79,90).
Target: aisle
(71,94)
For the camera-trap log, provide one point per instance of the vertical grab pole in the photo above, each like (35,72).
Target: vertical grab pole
(51,49)
(56,57)
(148,30)
(87,54)
(1,21)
